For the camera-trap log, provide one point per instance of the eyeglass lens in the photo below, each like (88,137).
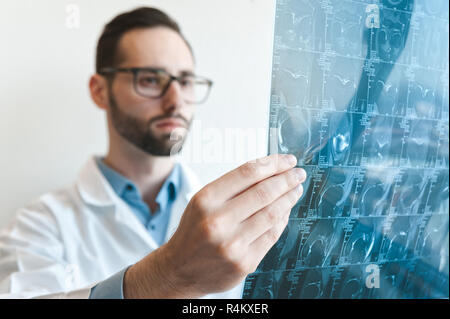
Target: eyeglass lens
(153,84)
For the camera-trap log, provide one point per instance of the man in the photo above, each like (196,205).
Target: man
(131,226)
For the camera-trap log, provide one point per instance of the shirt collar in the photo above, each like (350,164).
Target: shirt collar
(118,182)
(121,185)
(169,189)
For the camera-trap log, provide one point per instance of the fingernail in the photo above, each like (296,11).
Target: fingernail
(300,173)
(299,189)
(292,160)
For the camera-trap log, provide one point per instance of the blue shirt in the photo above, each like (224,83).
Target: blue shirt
(155,223)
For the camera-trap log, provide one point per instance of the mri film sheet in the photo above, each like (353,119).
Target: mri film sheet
(360,96)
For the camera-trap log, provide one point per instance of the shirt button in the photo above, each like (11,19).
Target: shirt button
(152,227)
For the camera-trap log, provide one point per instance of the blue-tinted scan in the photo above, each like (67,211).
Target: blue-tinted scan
(360,95)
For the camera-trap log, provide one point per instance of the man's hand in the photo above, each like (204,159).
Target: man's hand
(226,230)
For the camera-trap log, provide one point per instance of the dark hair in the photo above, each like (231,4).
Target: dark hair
(143,17)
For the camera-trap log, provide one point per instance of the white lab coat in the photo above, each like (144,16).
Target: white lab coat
(67,241)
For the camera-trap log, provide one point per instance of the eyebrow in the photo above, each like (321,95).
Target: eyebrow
(182,73)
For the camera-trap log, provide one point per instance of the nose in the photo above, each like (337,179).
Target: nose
(173,99)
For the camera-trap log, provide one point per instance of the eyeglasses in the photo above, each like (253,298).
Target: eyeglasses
(154,83)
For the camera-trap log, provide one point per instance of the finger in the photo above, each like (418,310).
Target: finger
(263,194)
(239,179)
(259,247)
(265,219)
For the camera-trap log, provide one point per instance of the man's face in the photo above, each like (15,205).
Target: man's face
(148,123)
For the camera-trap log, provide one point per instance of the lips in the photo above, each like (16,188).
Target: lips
(169,123)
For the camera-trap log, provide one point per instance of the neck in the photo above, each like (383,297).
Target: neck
(148,172)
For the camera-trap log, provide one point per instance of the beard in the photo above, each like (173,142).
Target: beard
(140,134)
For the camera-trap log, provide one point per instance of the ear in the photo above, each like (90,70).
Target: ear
(98,88)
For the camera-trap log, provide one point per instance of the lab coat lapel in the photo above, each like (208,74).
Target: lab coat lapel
(93,187)
(96,191)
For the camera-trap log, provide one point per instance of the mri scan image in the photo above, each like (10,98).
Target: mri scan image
(360,95)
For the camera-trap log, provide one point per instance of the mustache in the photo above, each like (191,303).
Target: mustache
(166,117)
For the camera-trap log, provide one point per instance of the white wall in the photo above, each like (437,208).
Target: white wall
(48,124)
